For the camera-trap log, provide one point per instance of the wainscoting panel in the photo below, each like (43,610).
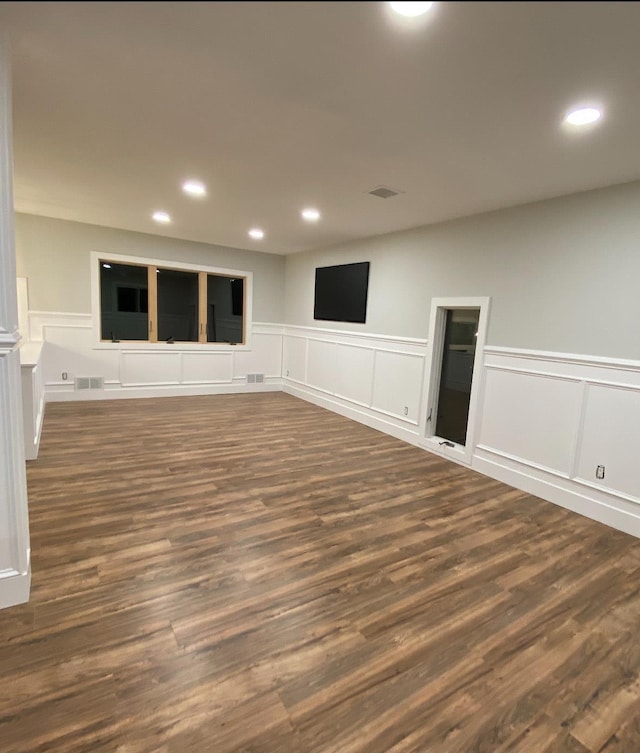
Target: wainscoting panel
(611,437)
(519,411)
(68,350)
(295,359)
(321,365)
(137,369)
(369,378)
(353,378)
(206,368)
(397,384)
(547,420)
(128,370)
(265,356)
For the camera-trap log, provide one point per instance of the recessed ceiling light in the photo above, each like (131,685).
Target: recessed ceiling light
(194,188)
(256,233)
(411,10)
(310,215)
(162,217)
(107,266)
(583,116)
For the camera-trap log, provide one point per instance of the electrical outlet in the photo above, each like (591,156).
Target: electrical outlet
(600,471)
(65,376)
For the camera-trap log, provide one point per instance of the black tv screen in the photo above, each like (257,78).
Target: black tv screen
(341,292)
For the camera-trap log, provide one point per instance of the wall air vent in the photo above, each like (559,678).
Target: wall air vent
(89,383)
(255,378)
(384,192)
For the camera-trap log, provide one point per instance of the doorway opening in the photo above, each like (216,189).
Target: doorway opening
(456,341)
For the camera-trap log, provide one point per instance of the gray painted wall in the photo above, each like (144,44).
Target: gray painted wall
(563,274)
(55,257)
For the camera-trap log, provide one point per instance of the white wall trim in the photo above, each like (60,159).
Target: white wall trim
(14,587)
(480,448)
(544,355)
(579,431)
(268,328)
(59,314)
(369,379)
(32,396)
(349,409)
(432,373)
(292,329)
(612,510)
(9,340)
(566,378)
(580,416)
(334,398)
(138,371)
(532,372)
(270,384)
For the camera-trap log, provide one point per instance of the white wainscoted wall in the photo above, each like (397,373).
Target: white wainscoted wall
(374,379)
(546,420)
(549,419)
(126,371)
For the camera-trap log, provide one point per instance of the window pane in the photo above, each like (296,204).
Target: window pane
(225,309)
(128,300)
(177,305)
(123,302)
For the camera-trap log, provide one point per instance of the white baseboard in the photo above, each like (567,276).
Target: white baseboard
(272,384)
(611,510)
(600,505)
(346,408)
(14,588)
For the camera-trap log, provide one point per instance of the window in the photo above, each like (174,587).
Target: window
(178,311)
(124,302)
(140,300)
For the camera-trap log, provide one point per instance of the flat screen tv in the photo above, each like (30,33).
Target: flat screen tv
(341,292)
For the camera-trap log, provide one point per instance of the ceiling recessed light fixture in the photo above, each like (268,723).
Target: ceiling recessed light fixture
(310,214)
(583,116)
(162,217)
(194,188)
(256,233)
(411,10)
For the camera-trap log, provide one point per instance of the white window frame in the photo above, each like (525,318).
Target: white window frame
(98,344)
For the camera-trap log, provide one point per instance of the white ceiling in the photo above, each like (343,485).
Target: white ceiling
(277,106)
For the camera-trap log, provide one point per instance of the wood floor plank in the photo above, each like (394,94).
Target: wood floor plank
(253,574)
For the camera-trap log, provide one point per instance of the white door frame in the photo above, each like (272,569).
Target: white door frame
(437,320)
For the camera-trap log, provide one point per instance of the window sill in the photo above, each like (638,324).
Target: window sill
(163,347)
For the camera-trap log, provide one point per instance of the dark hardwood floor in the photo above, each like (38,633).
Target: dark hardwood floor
(252,574)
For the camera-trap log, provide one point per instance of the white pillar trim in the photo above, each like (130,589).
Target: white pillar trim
(15,572)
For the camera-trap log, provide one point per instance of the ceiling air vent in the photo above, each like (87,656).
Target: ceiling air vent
(384,192)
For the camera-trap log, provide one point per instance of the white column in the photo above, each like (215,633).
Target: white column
(15,567)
